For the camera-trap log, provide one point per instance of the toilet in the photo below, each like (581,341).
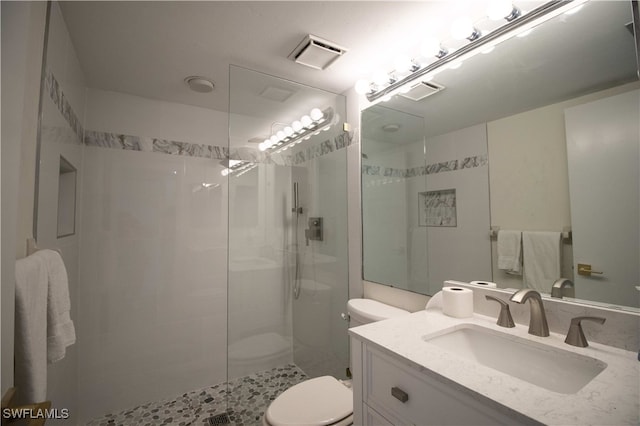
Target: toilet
(326,401)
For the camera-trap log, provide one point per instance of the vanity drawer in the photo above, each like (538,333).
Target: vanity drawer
(399,391)
(373,418)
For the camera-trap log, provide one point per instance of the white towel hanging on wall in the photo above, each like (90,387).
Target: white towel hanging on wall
(509,251)
(43,324)
(60,329)
(542,259)
(31,329)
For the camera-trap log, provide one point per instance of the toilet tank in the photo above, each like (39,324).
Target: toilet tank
(364,311)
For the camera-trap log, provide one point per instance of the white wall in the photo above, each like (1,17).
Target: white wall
(152,304)
(22,41)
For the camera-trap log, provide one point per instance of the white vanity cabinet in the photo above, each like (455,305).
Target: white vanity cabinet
(390,391)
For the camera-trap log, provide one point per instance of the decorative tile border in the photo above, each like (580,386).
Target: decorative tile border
(56,94)
(147,144)
(430,169)
(187,149)
(328,146)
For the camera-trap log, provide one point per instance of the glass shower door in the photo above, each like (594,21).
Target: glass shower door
(287,281)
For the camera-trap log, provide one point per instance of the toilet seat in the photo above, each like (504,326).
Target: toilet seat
(321,401)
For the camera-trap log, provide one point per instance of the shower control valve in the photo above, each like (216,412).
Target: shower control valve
(315,231)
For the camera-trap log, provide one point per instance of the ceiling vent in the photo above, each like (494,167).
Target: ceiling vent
(422,90)
(316,53)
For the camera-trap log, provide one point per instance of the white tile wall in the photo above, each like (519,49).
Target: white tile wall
(153,267)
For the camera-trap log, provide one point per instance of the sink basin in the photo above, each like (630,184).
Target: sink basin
(542,365)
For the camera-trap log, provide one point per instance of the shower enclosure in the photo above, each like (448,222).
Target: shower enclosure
(179,239)
(288,275)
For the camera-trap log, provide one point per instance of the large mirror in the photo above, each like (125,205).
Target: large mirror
(526,138)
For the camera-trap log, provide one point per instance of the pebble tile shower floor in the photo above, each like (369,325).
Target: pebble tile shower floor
(248,397)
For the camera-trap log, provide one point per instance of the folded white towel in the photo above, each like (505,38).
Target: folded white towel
(31,329)
(60,330)
(542,259)
(510,252)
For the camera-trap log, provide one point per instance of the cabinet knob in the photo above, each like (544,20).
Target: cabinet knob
(399,394)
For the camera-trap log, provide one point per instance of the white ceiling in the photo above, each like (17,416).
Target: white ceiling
(148,48)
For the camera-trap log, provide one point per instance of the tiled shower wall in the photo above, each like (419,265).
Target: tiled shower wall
(152,304)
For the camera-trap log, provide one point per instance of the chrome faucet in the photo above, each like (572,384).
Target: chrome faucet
(560,286)
(575,336)
(538,320)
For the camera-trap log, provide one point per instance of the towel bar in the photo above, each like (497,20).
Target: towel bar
(32,247)
(566,233)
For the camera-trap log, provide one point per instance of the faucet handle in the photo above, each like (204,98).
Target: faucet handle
(575,336)
(504,318)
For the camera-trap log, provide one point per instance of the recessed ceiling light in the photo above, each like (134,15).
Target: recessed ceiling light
(199,84)
(391,127)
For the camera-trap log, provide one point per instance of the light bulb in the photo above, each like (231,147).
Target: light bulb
(288,131)
(316,114)
(224,172)
(462,28)
(362,87)
(402,63)
(430,47)
(262,146)
(274,139)
(297,126)
(281,135)
(499,9)
(380,78)
(306,121)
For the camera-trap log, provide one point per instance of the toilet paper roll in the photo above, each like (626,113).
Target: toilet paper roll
(457,302)
(484,284)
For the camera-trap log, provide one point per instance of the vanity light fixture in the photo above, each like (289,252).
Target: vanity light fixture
(502,9)
(236,167)
(383,85)
(299,130)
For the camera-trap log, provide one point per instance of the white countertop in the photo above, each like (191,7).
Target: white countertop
(611,398)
